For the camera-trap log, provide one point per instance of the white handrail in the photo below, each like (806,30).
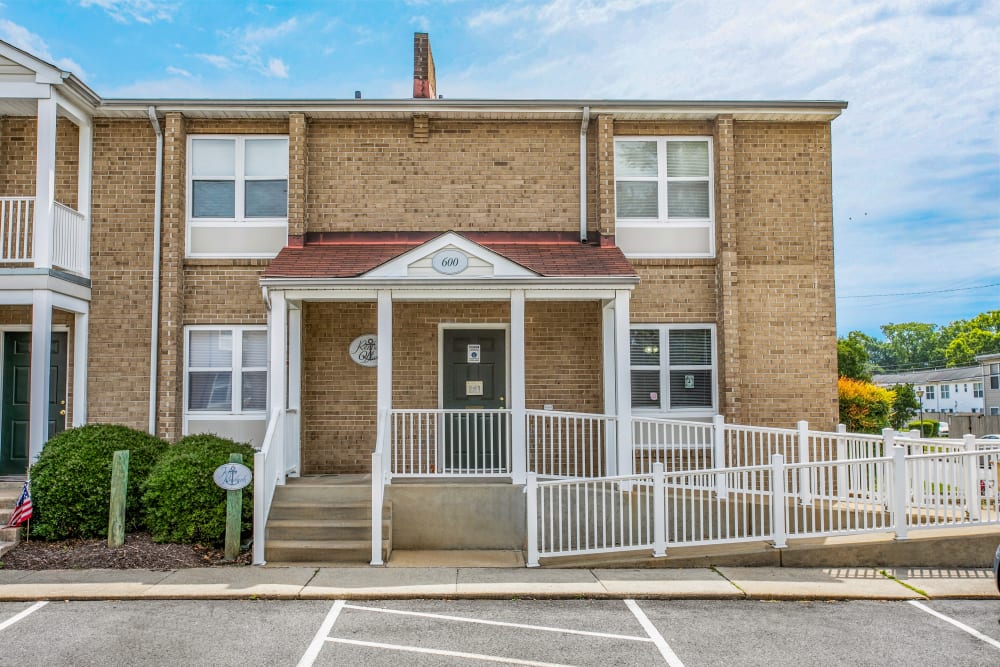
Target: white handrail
(268,472)
(17,222)
(448,443)
(70,240)
(568,444)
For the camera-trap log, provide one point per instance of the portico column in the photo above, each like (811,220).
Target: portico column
(610,378)
(41,362)
(45,183)
(295,385)
(623,383)
(81,332)
(384,352)
(277,321)
(518,432)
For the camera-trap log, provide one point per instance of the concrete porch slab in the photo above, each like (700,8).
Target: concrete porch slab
(789,583)
(379,582)
(235,582)
(80,584)
(455,558)
(700,583)
(948,582)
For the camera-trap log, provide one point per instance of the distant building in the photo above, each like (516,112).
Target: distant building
(945,389)
(989,369)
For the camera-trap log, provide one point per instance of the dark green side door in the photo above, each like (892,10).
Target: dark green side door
(16,406)
(475,378)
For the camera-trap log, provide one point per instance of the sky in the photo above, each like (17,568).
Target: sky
(916,156)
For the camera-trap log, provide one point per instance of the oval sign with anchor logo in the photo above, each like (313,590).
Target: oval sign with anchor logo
(450,262)
(232,476)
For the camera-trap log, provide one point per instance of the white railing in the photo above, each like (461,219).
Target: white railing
(17,220)
(450,443)
(70,240)
(775,502)
(678,445)
(269,469)
(754,445)
(569,444)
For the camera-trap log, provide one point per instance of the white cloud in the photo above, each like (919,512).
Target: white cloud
(276,67)
(222,62)
(422,23)
(178,71)
(28,41)
(140,11)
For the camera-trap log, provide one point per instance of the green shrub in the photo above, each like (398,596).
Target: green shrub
(182,502)
(927,428)
(71,482)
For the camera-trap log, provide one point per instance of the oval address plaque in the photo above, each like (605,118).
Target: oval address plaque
(450,262)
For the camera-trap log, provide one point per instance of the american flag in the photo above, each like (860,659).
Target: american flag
(22,510)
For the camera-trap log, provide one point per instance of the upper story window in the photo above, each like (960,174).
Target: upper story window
(241,182)
(663,196)
(977,389)
(994,376)
(945,391)
(930,392)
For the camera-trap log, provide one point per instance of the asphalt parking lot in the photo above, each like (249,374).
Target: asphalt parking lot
(525,632)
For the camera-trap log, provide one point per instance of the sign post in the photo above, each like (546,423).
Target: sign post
(232,477)
(119,496)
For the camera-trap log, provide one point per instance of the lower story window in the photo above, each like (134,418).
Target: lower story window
(673,368)
(225,380)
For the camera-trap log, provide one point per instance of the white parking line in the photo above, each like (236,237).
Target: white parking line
(654,634)
(462,619)
(958,624)
(17,617)
(309,657)
(452,654)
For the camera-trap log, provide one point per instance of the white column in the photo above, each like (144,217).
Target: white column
(384,368)
(518,432)
(41,362)
(294,356)
(81,325)
(623,383)
(45,179)
(610,381)
(83,188)
(277,322)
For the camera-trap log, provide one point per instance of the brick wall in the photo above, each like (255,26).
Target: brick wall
(223,292)
(372,176)
(121,272)
(18,147)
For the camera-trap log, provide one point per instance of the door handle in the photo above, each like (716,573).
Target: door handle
(62,412)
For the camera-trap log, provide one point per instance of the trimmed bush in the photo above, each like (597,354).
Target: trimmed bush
(71,482)
(928,428)
(182,502)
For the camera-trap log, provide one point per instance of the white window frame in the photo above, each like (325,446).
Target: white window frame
(994,377)
(664,183)
(977,389)
(239,219)
(930,392)
(946,391)
(665,367)
(236,369)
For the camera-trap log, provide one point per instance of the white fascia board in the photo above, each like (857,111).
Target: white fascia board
(44,72)
(23,90)
(34,279)
(398,267)
(76,114)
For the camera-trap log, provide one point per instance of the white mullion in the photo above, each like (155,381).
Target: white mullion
(240,186)
(664,364)
(662,215)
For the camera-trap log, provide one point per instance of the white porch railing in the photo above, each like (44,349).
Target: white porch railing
(569,444)
(17,219)
(449,443)
(269,469)
(678,445)
(70,235)
(70,240)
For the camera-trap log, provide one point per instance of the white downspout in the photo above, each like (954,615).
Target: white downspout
(155,337)
(583,174)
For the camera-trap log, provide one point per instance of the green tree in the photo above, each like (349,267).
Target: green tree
(911,346)
(852,359)
(904,406)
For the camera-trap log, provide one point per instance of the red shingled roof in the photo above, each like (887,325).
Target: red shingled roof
(349,255)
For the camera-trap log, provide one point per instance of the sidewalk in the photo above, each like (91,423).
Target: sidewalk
(364,583)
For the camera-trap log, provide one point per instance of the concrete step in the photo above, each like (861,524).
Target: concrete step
(9,534)
(322,530)
(284,509)
(317,493)
(322,551)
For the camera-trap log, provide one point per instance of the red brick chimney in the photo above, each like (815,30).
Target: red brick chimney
(424,82)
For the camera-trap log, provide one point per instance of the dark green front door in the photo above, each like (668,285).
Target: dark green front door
(16,407)
(475,378)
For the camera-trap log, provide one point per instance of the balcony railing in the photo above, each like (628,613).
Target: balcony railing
(70,235)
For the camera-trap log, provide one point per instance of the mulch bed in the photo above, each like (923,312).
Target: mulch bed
(138,552)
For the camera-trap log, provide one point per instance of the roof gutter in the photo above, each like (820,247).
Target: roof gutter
(157,225)
(583,174)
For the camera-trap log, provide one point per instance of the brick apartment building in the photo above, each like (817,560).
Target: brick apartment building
(204,265)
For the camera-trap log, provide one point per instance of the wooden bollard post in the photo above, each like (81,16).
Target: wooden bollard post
(234,516)
(119,494)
